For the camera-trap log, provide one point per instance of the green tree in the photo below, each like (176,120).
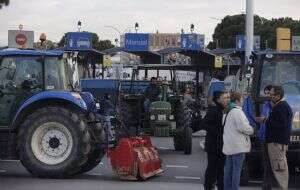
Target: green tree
(225,32)
(96,43)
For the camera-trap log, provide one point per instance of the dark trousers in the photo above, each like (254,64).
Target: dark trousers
(267,176)
(214,173)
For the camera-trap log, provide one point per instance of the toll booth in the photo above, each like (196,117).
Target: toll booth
(80,43)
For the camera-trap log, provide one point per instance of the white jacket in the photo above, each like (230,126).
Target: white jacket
(237,131)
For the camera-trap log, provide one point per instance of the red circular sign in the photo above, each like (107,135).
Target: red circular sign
(21,39)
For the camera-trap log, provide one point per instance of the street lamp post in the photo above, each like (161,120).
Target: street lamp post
(249,29)
(136,26)
(192,28)
(79,25)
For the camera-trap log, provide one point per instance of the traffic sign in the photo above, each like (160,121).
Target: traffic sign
(240,44)
(218,62)
(78,41)
(107,62)
(20,39)
(136,42)
(192,41)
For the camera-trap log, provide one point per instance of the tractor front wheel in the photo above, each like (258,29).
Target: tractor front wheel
(53,142)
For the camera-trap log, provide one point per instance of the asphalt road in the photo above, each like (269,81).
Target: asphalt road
(181,171)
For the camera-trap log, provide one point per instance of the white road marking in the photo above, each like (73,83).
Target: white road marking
(2,171)
(163,148)
(9,161)
(187,177)
(253,181)
(176,166)
(94,174)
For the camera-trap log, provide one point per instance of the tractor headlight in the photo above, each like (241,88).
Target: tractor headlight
(97,106)
(171,117)
(152,117)
(76,95)
(162,117)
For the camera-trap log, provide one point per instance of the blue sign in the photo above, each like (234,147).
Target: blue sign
(78,41)
(136,42)
(240,43)
(192,41)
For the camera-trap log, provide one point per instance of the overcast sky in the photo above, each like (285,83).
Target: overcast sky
(55,17)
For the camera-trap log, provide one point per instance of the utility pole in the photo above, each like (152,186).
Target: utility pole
(249,29)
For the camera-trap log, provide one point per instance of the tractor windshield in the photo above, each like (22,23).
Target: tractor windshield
(55,78)
(21,72)
(284,70)
(281,70)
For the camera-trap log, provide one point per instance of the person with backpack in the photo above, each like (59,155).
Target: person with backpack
(212,123)
(236,141)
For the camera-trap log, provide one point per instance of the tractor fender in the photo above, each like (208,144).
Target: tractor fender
(47,97)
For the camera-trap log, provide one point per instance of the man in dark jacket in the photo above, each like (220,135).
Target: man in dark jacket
(212,122)
(151,93)
(278,132)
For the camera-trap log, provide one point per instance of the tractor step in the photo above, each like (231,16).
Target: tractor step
(135,158)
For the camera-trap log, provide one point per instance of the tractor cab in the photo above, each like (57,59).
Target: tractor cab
(271,68)
(45,121)
(281,69)
(24,73)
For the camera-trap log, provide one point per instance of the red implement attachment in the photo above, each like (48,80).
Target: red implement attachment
(135,158)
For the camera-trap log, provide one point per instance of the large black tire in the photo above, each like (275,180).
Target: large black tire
(129,116)
(178,139)
(188,134)
(98,141)
(46,132)
(182,118)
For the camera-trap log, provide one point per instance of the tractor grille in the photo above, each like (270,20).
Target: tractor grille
(162,131)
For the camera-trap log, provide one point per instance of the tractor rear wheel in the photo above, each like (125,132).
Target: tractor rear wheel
(188,134)
(182,118)
(53,142)
(98,142)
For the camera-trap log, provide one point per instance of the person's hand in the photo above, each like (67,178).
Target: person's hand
(260,119)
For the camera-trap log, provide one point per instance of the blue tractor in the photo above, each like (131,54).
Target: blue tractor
(272,68)
(45,121)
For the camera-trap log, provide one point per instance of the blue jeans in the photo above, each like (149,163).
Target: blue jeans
(232,171)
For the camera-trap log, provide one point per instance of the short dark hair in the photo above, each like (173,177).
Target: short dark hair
(278,90)
(268,87)
(217,95)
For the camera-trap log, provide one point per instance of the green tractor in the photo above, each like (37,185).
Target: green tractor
(166,116)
